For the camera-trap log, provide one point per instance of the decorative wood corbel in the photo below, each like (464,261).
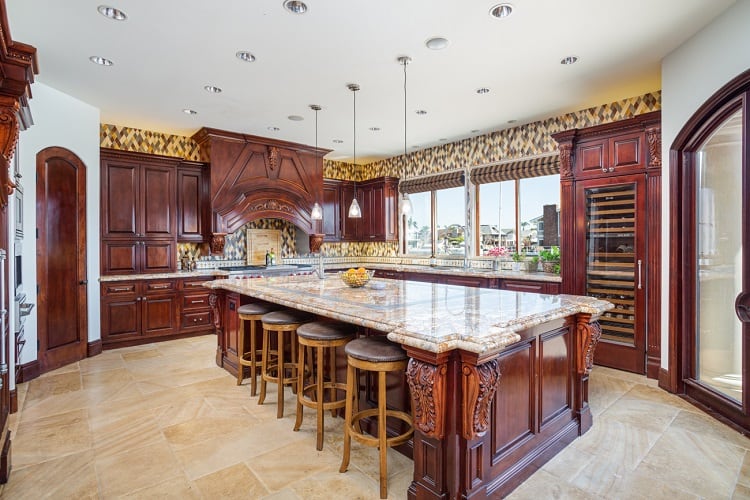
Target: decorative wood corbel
(479,385)
(9,129)
(589,333)
(427,386)
(566,160)
(653,137)
(217,242)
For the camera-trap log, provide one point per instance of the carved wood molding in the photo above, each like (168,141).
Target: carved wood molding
(9,129)
(213,301)
(566,161)
(217,242)
(588,335)
(427,384)
(653,136)
(479,385)
(273,159)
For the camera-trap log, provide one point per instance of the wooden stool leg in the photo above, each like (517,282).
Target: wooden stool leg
(264,367)
(321,397)
(253,361)
(280,371)
(382,437)
(332,371)
(350,391)
(301,385)
(240,351)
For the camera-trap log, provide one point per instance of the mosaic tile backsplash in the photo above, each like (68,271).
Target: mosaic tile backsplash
(518,142)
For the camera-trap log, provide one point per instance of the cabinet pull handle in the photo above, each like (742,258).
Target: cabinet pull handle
(159,287)
(640,283)
(197,301)
(138,299)
(120,289)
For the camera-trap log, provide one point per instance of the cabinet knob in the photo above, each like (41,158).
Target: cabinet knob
(83,282)
(138,299)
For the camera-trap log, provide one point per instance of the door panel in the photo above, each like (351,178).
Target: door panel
(61,263)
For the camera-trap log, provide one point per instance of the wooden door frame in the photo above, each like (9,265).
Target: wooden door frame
(42,158)
(682,282)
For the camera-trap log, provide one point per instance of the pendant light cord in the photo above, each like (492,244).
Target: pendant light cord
(405,62)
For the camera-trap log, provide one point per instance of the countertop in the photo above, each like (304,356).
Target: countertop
(428,316)
(442,270)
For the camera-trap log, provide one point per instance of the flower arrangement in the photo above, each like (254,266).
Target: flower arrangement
(497,252)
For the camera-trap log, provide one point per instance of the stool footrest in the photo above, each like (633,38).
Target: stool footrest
(366,439)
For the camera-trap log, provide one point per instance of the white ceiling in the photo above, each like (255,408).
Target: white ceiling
(168,50)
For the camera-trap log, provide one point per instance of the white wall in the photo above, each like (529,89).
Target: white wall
(60,120)
(690,75)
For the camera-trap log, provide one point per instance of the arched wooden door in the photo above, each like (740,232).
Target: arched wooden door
(62,327)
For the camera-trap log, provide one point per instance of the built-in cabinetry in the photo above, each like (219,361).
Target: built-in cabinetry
(611,238)
(136,310)
(141,220)
(378,199)
(512,284)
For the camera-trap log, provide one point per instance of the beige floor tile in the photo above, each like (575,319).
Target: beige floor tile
(108,360)
(143,354)
(176,488)
(744,475)
(130,431)
(352,485)
(626,445)
(210,427)
(51,437)
(605,390)
(72,367)
(137,469)
(292,463)
(639,485)
(285,494)
(741,491)
(43,387)
(641,414)
(235,482)
(705,425)
(543,485)
(70,476)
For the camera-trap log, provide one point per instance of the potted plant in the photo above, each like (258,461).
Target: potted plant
(517,259)
(532,263)
(550,259)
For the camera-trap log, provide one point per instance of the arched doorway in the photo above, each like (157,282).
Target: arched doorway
(710,255)
(62,327)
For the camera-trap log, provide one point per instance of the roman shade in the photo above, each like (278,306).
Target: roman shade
(452,179)
(521,168)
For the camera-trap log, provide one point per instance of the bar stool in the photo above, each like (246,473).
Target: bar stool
(376,354)
(250,312)
(280,323)
(319,336)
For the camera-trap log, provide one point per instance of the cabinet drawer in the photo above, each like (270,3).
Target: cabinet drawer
(382,273)
(195,301)
(197,319)
(118,288)
(152,287)
(195,284)
(523,286)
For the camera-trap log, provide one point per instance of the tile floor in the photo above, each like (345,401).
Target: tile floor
(163,421)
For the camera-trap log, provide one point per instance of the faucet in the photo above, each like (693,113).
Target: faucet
(320,271)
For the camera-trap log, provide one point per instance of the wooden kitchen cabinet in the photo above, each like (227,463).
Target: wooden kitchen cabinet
(138,212)
(193,210)
(378,199)
(610,178)
(139,311)
(331,223)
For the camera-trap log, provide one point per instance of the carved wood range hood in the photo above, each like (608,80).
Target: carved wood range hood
(256,177)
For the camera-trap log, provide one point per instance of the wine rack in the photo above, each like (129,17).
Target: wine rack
(612,271)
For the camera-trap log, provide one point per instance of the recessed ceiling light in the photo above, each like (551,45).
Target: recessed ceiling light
(375,129)
(273,129)
(189,111)
(421,112)
(244,55)
(501,10)
(101,61)
(415,147)
(212,89)
(442,139)
(112,13)
(295,118)
(295,6)
(474,131)
(483,90)
(569,60)
(338,141)
(512,121)
(437,43)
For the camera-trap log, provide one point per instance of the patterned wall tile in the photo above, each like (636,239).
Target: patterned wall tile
(145,141)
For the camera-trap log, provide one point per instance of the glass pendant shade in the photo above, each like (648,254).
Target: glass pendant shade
(354,211)
(406,204)
(317,212)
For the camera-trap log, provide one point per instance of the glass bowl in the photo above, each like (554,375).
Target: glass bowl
(356,278)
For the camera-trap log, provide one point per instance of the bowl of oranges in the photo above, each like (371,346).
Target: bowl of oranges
(356,278)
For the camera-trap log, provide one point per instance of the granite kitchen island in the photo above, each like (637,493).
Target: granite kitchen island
(497,380)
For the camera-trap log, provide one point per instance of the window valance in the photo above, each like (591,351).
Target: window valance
(454,178)
(521,168)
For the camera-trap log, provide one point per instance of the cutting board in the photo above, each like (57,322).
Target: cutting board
(259,241)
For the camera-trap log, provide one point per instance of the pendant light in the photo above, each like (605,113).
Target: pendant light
(317,211)
(354,211)
(405,201)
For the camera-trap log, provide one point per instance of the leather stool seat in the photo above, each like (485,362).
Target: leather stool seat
(255,308)
(377,349)
(319,336)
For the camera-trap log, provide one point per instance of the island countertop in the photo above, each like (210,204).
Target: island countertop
(428,316)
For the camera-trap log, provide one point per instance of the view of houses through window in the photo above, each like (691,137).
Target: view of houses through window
(517,216)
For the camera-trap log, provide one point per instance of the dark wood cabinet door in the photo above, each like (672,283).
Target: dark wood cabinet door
(120,311)
(157,256)
(159,314)
(120,256)
(375,203)
(157,208)
(119,199)
(231,327)
(192,204)
(390,210)
(331,223)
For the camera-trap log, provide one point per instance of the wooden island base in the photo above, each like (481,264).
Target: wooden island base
(483,423)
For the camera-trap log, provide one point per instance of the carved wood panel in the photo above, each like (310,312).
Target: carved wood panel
(427,386)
